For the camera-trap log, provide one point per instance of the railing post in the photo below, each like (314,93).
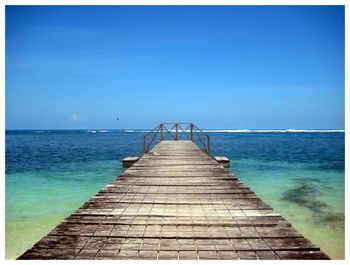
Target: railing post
(176,129)
(161,131)
(208,144)
(191,136)
(144,144)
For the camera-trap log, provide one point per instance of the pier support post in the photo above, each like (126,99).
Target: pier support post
(129,161)
(222,160)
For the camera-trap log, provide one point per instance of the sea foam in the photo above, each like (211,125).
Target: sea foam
(273,131)
(253,131)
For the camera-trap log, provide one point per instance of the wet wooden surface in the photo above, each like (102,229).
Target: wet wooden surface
(176,202)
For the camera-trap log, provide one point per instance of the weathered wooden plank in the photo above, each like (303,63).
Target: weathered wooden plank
(313,255)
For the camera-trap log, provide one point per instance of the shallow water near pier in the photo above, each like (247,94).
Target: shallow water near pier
(49,174)
(312,200)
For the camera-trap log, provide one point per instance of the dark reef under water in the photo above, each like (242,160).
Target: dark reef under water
(306,195)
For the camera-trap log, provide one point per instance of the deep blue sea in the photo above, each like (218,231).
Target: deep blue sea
(49,174)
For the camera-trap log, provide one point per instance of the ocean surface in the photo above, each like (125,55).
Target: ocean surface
(49,174)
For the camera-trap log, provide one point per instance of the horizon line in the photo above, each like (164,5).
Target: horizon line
(216,129)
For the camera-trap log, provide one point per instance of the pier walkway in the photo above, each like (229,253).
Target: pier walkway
(175,202)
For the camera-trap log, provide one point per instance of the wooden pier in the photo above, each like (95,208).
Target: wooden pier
(175,202)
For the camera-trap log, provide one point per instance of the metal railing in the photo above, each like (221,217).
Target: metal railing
(176,131)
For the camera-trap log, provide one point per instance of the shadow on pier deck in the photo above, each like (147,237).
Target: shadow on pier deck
(175,202)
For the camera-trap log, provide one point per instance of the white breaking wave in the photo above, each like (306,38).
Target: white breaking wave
(42,131)
(98,131)
(272,131)
(137,131)
(253,131)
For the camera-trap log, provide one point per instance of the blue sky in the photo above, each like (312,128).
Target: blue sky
(235,67)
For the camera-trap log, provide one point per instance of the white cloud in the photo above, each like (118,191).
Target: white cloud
(74,117)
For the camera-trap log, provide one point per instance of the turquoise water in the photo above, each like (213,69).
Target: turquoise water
(36,201)
(312,200)
(49,174)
